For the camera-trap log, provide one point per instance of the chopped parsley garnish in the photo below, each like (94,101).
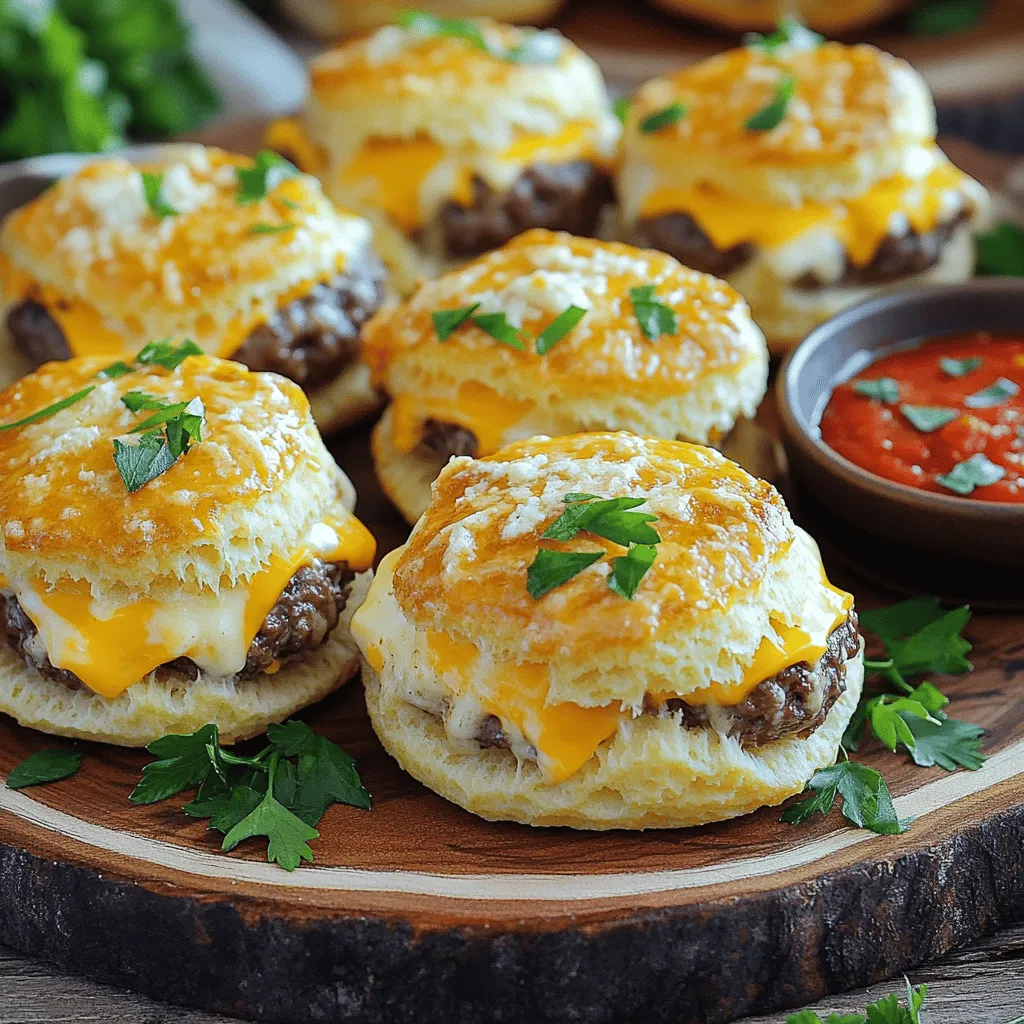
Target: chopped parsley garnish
(421,23)
(447,321)
(771,115)
(50,410)
(995,394)
(268,170)
(653,316)
(790,33)
(629,569)
(45,766)
(621,108)
(559,328)
(551,569)
(269,229)
(977,471)
(166,354)
(661,119)
(867,802)
(279,794)
(151,186)
(885,389)
(1001,251)
(887,1010)
(928,418)
(498,327)
(919,637)
(115,370)
(155,451)
(609,518)
(959,367)
(945,17)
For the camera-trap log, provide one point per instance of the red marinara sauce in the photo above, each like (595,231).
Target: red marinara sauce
(978,377)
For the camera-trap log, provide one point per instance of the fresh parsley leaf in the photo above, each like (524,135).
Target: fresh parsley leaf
(771,115)
(936,647)
(421,23)
(995,394)
(184,762)
(447,321)
(268,170)
(115,370)
(896,621)
(50,410)
(186,428)
(167,354)
(139,463)
(889,715)
(885,389)
(866,799)
(151,186)
(629,570)
(289,836)
(928,418)
(269,229)
(790,34)
(164,411)
(977,471)
(959,367)
(621,108)
(915,1000)
(45,766)
(653,316)
(559,328)
(664,118)
(948,743)
(577,496)
(551,569)
(136,401)
(609,518)
(498,327)
(885,1011)
(225,807)
(1001,251)
(326,773)
(945,17)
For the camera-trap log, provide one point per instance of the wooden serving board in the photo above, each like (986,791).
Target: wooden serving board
(420,912)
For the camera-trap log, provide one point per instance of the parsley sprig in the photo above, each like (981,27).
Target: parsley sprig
(280,793)
(267,171)
(771,115)
(887,1010)
(609,518)
(448,321)
(152,185)
(653,316)
(661,119)
(919,638)
(790,34)
(140,460)
(155,353)
(50,410)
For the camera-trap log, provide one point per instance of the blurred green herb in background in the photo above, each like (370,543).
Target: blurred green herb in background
(80,75)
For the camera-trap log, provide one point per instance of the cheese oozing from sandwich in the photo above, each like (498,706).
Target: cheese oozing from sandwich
(112,644)
(564,736)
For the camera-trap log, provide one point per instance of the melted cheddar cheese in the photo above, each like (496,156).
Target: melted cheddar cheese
(565,736)
(112,645)
(391,175)
(860,224)
(476,407)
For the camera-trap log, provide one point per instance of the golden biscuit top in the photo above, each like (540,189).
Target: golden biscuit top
(847,100)
(468,558)
(537,276)
(204,245)
(63,498)
(397,62)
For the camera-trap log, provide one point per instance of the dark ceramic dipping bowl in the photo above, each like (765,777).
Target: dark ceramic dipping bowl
(917,526)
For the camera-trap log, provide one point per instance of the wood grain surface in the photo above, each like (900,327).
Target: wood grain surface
(420,912)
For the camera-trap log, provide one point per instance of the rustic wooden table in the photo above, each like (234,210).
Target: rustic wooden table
(981,985)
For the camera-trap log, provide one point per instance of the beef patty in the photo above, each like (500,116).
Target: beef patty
(898,256)
(310,339)
(448,439)
(793,702)
(562,197)
(305,615)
